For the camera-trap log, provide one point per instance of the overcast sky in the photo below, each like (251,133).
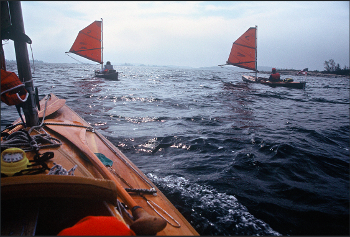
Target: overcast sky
(292,35)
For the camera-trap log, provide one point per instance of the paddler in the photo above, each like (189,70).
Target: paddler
(275,76)
(108,66)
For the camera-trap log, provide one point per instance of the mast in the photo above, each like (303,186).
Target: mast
(101,44)
(256,51)
(23,65)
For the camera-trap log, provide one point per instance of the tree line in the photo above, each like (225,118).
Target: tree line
(334,68)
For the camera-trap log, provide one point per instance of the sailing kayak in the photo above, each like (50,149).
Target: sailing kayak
(265,81)
(79,174)
(89,45)
(244,55)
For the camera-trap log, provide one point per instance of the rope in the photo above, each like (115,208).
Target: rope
(68,124)
(12,88)
(59,170)
(27,142)
(120,207)
(116,174)
(30,143)
(149,203)
(141,190)
(28,81)
(11,126)
(32,58)
(74,58)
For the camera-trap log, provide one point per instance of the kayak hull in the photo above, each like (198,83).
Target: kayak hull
(54,203)
(261,80)
(111,75)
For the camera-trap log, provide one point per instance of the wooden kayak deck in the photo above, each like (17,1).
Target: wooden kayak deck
(89,192)
(265,81)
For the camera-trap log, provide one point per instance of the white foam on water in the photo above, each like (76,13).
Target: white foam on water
(227,215)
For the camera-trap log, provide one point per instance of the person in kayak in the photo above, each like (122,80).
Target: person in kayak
(108,66)
(275,76)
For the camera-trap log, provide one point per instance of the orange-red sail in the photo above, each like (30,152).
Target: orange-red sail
(243,52)
(88,42)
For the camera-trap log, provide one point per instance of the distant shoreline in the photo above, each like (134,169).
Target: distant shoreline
(282,72)
(309,73)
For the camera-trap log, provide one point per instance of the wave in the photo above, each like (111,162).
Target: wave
(209,211)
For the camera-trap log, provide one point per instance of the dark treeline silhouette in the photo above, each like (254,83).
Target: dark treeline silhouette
(334,68)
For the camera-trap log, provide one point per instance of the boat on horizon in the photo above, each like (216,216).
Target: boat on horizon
(60,176)
(244,55)
(89,44)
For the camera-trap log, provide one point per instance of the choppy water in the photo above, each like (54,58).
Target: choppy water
(234,158)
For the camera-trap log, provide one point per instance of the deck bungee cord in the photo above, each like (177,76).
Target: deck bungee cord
(58,169)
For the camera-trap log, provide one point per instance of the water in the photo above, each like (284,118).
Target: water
(234,158)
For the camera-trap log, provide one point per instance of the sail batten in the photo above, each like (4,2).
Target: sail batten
(88,43)
(243,51)
(75,51)
(244,46)
(242,63)
(81,32)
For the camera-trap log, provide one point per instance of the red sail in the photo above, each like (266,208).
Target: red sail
(243,52)
(88,42)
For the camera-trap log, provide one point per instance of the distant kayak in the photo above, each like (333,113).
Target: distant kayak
(265,81)
(89,44)
(243,55)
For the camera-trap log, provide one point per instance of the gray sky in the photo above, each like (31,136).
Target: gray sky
(291,35)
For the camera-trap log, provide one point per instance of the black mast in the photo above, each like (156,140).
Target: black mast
(23,65)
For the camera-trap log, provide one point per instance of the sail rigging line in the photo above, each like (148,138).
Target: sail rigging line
(77,51)
(31,49)
(74,58)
